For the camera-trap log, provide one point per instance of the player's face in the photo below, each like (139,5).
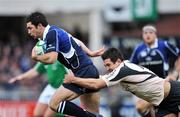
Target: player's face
(109,65)
(149,37)
(34,31)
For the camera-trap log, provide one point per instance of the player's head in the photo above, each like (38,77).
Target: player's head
(149,34)
(37,18)
(36,22)
(112,58)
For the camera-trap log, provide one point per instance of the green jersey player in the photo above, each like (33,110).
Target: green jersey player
(55,75)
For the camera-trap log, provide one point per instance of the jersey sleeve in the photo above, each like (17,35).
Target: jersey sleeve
(39,67)
(58,41)
(51,41)
(172,50)
(112,78)
(103,77)
(134,56)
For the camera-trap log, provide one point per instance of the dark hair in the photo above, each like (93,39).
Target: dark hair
(113,54)
(37,18)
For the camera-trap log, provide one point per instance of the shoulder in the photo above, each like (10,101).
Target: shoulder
(161,41)
(57,29)
(54,30)
(141,46)
(51,32)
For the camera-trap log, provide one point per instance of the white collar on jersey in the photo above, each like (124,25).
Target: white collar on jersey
(155,44)
(46,31)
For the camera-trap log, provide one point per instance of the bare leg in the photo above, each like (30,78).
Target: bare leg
(91,102)
(171,115)
(40,109)
(144,107)
(51,113)
(60,95)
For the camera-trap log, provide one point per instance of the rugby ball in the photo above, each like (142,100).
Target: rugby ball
(39,47)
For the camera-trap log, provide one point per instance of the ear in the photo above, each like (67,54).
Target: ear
(119,61)
(39,25)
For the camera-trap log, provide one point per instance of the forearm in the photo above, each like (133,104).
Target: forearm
(90,52)
(43,59)
(47,58)
(176,70)
(87,50)
(32,73)
(84,83)
(89,83)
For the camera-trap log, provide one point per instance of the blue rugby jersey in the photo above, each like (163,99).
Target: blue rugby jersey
(157,58)
(69,52)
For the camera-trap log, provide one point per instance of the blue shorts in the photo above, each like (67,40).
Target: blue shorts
(89,71)
(171,104)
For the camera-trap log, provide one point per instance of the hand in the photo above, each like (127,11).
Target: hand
(177,65)
(69,77)
(100,51)
(171,77)
(33,54)
(13,80)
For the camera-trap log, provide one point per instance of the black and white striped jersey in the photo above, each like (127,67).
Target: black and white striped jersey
(138,80)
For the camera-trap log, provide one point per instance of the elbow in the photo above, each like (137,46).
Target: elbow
(52,57)
(51,61)
(34,58)
(96,87)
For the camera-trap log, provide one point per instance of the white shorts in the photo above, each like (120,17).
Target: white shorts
(46,94)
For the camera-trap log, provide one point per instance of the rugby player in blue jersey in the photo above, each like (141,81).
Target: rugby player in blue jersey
(63,47)
(155,55)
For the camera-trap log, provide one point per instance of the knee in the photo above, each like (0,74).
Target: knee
(91,102)
(39,111)
(140,108)
(36,114)
(53,105)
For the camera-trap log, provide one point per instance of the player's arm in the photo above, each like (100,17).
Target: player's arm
(47,58)
(177,64)
(50,55)
(88,51)
(32,73)
(89,83)
(173,51)
(175,73)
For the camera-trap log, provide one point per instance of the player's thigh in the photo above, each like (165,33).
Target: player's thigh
(40,109)
(142,105)
(161,112)
(62,94)
(90,101)
(171,115)
(51,113)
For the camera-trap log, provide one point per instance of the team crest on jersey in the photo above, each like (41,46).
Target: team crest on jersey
(153,53)
(143,54)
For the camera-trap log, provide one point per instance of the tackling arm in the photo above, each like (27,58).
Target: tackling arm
(89,83)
